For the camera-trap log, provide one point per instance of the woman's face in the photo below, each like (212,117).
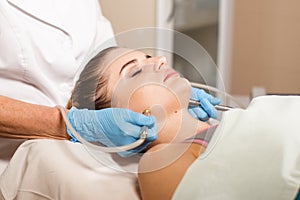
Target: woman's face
(138,81)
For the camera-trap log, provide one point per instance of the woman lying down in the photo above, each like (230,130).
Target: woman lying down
(253,154)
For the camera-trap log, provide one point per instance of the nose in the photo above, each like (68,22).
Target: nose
(158,62)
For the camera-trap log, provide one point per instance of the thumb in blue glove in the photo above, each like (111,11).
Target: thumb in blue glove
(112,127)
(207,101)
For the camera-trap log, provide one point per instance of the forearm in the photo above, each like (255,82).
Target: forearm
(24,120)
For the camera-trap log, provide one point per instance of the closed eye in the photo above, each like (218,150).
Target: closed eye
(133,61)
(136,72)
(127,64)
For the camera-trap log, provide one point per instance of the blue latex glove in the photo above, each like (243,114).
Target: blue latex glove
(207,101)
(112,127)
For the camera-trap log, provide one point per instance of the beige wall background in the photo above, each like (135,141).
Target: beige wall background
(129,14)
(266,46)
(265,40)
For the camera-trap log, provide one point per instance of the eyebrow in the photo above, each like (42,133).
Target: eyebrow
(132,61)
(126,64)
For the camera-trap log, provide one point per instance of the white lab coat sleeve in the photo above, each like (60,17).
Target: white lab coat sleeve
(43,45)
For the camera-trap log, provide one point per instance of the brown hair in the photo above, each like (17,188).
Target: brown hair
(90,90)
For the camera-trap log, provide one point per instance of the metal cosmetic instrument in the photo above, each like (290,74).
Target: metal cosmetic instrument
(218,107)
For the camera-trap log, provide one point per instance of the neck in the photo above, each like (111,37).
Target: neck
(202,126)
(163,152)
(178,127)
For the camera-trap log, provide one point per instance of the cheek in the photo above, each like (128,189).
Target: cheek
(156,98)
(163,104)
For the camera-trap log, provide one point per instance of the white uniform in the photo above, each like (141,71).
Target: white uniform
(42,45)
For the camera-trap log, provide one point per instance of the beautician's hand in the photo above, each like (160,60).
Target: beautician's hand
(112,127)
(207,101)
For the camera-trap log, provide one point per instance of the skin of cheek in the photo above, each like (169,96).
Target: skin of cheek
(167,102)
(163,104)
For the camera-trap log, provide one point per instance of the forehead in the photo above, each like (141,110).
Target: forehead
(115,61)
(118,57)
(121,59)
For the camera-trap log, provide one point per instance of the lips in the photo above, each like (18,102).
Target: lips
(170,73)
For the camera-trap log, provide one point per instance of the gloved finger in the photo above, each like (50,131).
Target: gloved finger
(191,111)
(151,134)
(198,113)
(214,100)
(133,130)
(130,130)
(135,150)
(195,92)
(126,140)
(140,119)
(199,95)
(209,108)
